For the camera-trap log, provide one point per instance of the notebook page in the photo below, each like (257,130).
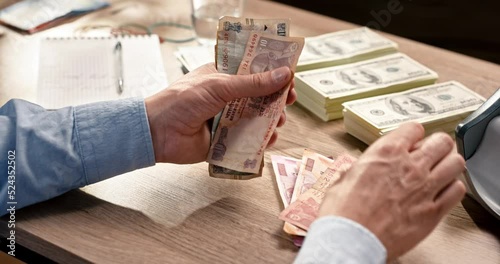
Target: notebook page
(75,71)
(143,69)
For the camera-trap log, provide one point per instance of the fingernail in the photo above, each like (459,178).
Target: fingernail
(280,74)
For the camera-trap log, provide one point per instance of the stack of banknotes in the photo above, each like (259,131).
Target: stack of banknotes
(439,107)
(341,47)
(302,184)
(322,91)
(241,132)
(335,48)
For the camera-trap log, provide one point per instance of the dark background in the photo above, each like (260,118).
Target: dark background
(465,26)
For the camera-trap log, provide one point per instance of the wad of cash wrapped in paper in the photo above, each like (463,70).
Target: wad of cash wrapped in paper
(242,130)
(324,90)
(438,107)
(343,47)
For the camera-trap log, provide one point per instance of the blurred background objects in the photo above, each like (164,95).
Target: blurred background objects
(468,27)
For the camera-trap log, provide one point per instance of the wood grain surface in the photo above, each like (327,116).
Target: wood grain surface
(178,214)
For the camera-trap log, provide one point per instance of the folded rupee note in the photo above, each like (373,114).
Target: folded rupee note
(232,38)
(247,124)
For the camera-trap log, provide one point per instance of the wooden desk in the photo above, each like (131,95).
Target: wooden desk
(178,214)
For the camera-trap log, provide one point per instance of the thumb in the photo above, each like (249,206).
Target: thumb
(259,84)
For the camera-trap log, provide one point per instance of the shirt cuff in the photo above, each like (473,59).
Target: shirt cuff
(333,239)
(113,138)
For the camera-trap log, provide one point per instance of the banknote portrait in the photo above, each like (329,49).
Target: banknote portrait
(358,76)
(410,105)
(277,54)
(324,47)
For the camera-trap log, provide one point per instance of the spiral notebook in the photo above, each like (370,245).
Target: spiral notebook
(73,71)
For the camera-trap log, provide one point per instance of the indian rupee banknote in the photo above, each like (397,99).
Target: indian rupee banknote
(304,210)
(233,34)
(285,171)
(247,124)
(312,166)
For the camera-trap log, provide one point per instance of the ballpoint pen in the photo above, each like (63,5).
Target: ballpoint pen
(119,66)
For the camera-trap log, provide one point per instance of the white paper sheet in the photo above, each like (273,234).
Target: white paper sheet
(75,71)
(193,57)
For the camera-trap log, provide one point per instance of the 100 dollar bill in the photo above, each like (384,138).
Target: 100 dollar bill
(429,103)
(367,78)
(341,47)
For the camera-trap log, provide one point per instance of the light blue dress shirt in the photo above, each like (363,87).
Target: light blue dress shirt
(60,150)
(333,239)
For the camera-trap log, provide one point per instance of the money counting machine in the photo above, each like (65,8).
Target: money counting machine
(478,140)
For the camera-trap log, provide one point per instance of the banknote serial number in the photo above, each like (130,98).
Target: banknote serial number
(246,63)
(225,54)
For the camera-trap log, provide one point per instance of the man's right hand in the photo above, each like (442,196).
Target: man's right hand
(400,188)
(178,116)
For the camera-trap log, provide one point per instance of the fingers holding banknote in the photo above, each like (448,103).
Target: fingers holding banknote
(400,188)
(292,96)
(178,115)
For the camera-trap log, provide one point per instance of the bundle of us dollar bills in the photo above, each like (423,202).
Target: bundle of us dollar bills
(243,129)
(342,47)
(439,107)
(322,91)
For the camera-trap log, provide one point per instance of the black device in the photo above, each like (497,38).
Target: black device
(478,140)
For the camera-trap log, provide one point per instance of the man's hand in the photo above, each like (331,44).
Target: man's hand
(400,188)
(178,115)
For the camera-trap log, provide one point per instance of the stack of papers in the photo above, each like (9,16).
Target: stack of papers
(322,91)
(439,107)
(35,15)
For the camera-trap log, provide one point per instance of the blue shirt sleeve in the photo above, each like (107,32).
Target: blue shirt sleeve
(333,239)
(60,150)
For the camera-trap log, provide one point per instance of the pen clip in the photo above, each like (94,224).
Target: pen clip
(119,66)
